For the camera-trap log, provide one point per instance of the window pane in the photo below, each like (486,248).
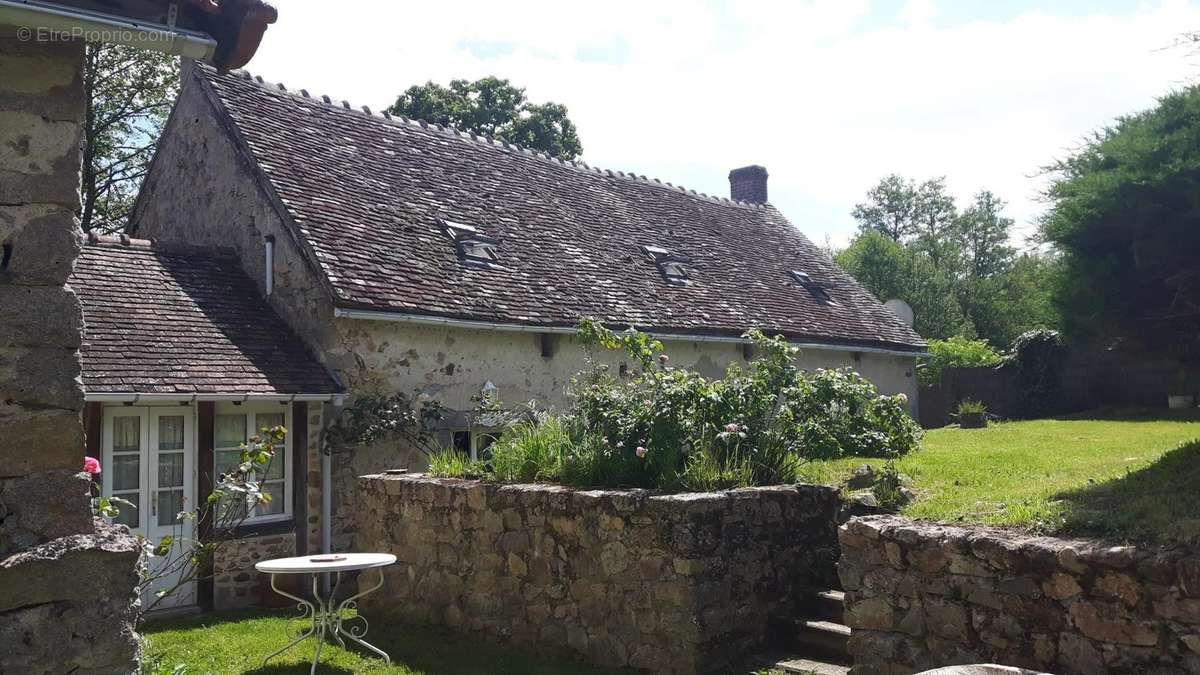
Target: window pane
(267,420)
(170,432)
(170,503)
(227,460)
(126,470)
(275,467)
(128,514)
(274,506)
(170,469)
(127,434)
(231,430)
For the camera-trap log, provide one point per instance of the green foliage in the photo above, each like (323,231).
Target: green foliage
(956,352)
(493,107)
(373,417)
(450,463)
(1125,215)
(887,488)
(129,92)
(671,428)
(970,407)
(889,269)
(956,268)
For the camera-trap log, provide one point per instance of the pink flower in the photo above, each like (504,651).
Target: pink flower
(640,452)
(732,428)
(91,465)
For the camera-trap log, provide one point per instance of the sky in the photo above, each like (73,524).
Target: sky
(829,96)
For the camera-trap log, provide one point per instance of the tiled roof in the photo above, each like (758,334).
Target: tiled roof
(157,322)
(366,192)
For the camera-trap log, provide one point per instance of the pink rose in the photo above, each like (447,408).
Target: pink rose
(91,465)
(732,428)
(640,452)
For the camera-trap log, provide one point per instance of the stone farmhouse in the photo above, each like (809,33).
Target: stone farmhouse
(292,251)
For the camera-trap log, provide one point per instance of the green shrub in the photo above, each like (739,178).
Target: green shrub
(957,352)
(670,428)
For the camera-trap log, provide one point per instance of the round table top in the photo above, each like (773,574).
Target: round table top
(325,562)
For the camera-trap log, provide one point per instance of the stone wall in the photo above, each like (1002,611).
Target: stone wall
(235,581)
(66,582)
(921,595)
(668,583)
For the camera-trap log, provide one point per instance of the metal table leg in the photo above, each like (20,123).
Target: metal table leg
(328,620)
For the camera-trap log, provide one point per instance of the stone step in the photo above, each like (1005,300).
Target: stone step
(799,666)
(778,663)
(827,606)
(821,639)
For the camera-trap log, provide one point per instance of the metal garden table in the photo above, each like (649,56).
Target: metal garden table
(328,619)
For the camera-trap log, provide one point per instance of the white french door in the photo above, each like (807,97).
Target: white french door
(150,460)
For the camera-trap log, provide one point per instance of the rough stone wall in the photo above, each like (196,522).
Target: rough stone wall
(235,581)
(921,595)
(66,582)
(669,583)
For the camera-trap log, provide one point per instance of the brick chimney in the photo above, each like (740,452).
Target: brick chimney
(748,184)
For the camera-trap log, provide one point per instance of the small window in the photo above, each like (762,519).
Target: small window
(234,427)
(672,266)
(470,245)
(819,290)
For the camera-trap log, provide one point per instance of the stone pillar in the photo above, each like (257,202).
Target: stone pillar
(66,581)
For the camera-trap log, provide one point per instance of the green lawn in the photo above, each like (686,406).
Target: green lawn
(236,642)
(1124,474)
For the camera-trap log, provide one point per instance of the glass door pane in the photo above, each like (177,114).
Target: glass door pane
(172,463)
(126,468)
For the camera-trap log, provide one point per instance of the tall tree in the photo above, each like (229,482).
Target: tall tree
(1125,214)
(956,269)
(983,235)
(888,270)
(129,95)
(493,107)
(890,208)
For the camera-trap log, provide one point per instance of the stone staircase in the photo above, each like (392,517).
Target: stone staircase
(814,643)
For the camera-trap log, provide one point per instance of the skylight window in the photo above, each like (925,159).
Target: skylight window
(818,289)
(672,266)
(470,246)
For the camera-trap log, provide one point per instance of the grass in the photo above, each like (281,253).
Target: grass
(1123,474)
(237,641)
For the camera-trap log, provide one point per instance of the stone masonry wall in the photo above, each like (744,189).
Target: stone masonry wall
(679,583)
(235,582)
(921,595)
(66,581)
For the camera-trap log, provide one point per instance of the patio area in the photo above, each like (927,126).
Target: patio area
(236,641)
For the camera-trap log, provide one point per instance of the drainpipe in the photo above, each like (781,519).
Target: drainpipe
(269,282)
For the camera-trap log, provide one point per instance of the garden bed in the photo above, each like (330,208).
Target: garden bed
(666,582)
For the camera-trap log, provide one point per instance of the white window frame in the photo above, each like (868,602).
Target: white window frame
(252,411)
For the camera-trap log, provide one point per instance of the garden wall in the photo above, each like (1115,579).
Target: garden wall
(921,595)
(669,583)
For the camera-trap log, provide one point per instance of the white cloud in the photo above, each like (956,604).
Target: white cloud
(824,94)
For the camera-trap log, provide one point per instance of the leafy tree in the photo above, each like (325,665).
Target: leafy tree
(956,268)
(129,95)
(888,269)
(983,235)
(493,107)
(905,211)
(1125,215)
